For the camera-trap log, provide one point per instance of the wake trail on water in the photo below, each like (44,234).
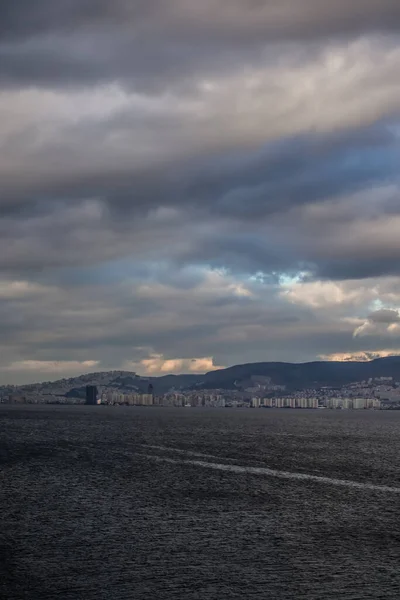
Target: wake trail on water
(180,451)
(265,471)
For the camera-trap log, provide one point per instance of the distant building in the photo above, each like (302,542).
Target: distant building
(14,399)
(360,403)
(91,395)
(348,403)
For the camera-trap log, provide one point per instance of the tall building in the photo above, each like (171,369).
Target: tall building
(91,394)
(150,392)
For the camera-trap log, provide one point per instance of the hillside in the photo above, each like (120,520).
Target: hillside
(293,376)
(304,375)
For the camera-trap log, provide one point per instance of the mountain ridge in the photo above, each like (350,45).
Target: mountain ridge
(291,376)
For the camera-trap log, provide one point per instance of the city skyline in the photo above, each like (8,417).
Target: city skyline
(191,185)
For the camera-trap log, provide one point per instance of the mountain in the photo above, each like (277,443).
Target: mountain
(293,376)
(304,375)
(123,381)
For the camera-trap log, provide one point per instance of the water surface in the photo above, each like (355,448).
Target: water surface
(158,503)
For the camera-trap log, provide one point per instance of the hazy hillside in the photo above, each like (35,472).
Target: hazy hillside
(293,376)
(302,375)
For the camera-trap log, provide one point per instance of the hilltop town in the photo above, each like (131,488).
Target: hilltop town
(253,391)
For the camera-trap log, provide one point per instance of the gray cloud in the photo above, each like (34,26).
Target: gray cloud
(150,44)
(384,316)
(184,317)
(113,324)
(298,205)
(233,18)
(205,180)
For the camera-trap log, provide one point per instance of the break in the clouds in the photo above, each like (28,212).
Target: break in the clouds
(190,185)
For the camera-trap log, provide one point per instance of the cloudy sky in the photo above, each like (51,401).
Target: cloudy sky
(187,185)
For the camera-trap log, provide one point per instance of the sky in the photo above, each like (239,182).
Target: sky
(190,185)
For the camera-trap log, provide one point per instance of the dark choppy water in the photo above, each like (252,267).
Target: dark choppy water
(112,503)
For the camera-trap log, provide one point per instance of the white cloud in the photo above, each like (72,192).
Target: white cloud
(377,329)
(330,294)
(21,289)
(212,283)
(360,356)
(51,367)
(343,298)
(156,364)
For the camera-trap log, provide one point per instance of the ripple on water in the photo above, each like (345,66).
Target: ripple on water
(156,503)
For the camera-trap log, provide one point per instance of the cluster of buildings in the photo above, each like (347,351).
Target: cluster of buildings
(306,402)
(116,398)
(353,403)
(176,399)
(122,388)
(205,398)
(219,400)
(285,402)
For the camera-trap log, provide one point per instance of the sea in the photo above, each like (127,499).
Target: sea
(148,503)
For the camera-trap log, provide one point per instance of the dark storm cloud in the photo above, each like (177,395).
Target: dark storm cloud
(55,323)
(234,211)
(229,17)
(384,316)
(368,266)
(294,171)
(22,18)
(151,43)
(240,183)
(285,208)
(188,179)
